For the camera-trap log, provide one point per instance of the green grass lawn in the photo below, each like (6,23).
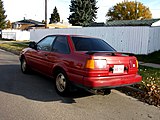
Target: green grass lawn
(14,46)
(151,76)
(150,85)
(150,58)
(149,89)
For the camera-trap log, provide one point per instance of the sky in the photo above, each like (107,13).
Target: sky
(34,9)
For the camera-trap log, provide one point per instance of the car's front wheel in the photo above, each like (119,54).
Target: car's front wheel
(24,66)
(62,83)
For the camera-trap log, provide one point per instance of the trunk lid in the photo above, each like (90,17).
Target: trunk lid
(117,63)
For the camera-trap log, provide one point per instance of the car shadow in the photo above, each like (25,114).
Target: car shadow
(33,86)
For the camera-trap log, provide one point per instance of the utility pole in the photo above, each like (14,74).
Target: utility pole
(45,13)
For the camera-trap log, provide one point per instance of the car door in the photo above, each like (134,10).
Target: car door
(39,59)
(60,51)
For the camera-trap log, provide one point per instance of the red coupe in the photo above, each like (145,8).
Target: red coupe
(86,62)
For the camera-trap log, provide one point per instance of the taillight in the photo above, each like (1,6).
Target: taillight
(137,63)
(133,63)
(90,64)
(96,64)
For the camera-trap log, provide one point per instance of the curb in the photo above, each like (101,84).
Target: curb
(153,65)
(130,89)
(11,51)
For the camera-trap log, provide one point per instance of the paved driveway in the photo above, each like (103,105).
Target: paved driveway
(32,97)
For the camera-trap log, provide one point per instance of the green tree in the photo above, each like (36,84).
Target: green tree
(54,16)
(2,16)
(83,12)
(129,11)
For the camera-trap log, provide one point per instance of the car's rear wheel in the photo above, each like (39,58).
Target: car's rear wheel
(62,83)
(24,66)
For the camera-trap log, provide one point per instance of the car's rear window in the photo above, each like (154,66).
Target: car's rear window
(91,44)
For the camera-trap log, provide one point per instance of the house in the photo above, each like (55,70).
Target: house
(58,25)
(27,24)
(147,22)
(62,25)
(97,24)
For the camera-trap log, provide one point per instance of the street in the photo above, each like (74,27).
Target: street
(33,97)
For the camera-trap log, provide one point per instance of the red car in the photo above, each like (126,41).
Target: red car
(86,62)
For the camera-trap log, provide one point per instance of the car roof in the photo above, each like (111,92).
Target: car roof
(71,35)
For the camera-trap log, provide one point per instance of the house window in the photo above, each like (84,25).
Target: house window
(19,25)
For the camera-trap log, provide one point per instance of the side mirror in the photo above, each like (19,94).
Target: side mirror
(33,45)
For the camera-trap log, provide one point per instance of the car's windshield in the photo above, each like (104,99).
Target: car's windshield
(91,44)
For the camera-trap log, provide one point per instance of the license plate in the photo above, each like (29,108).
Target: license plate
(118,69)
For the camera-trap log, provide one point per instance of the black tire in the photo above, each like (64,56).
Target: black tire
(24,66)
(62,84)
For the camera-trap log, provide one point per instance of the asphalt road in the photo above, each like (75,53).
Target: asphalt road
(33,97)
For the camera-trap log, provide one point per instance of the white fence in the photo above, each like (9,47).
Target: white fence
(16,34)
(154,39)
(138,40)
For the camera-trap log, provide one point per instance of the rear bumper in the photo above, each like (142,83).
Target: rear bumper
(112,81)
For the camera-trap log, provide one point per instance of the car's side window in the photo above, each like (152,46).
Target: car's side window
(46,43)
(61,45)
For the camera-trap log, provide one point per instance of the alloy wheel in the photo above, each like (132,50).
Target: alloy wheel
(61,82)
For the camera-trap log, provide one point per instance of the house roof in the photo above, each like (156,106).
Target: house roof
(30,21)
(147,22)
(97,24)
